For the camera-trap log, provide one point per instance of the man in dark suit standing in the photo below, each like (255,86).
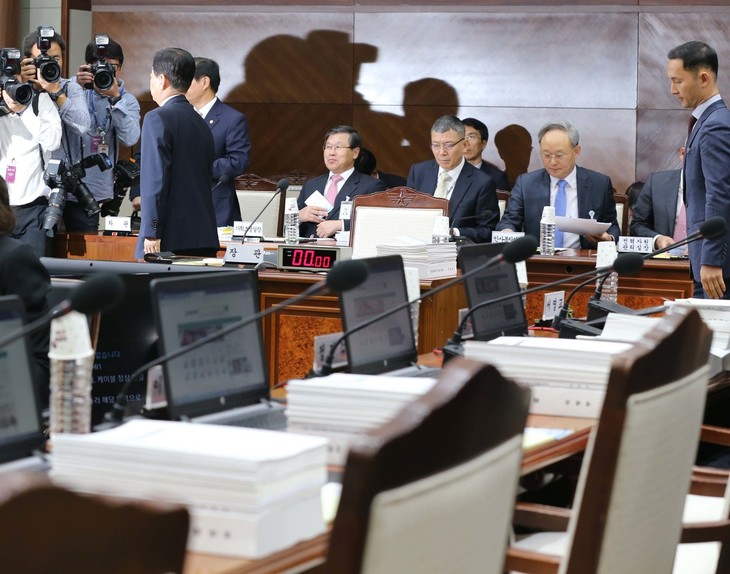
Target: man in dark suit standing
(230,134)
(473,206)
(342,182)
(476,137)
(573,191)
(177,160)
(692,71)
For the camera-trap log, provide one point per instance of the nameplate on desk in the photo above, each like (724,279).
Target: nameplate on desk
(257,229)
(244,253)
(117,223)
(322,347)
(628,244)
(506,236)
(553,304)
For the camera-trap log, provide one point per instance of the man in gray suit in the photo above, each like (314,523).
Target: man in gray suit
(586,193)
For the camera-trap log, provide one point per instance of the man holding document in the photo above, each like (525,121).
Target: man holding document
(320,199)
(574,191)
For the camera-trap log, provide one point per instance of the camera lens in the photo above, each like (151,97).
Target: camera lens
(50,71)
(54,211)
(86,199)
(21,93)
(103,79)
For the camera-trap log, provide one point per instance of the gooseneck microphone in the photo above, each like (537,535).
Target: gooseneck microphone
(710,229)
(281,187)
(222,180)
(625,264)
(344,276)
(97,294)
(514,252)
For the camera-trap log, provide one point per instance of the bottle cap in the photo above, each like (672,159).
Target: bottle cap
(548,214)
(70,338)
(606,253)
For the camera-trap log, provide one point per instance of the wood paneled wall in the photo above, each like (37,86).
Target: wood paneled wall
(9,23)
(297,70)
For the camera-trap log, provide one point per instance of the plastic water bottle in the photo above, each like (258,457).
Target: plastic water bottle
(605,256)
(72,360)
(440,233)
(291,221)
(547,231)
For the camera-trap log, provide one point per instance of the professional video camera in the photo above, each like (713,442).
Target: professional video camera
(49,68)
(61,178)
(103,71)
(9,69)
(126,174)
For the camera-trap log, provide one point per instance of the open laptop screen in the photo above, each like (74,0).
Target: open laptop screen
(227,372)
(388,344)
(505,318)
(20,422)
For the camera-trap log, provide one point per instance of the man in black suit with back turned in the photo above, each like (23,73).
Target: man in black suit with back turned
(176,167)
(476,137)
(473,206)
(341,148)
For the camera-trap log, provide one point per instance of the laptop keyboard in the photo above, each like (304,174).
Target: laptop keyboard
(271,419)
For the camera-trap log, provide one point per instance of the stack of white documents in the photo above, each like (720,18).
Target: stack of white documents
(343,405)
(433,260)
(250,492)
(567,377)
(716,315)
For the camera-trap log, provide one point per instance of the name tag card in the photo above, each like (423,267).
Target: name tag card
(506,237)
(553,303)
(117,223)
(635,244)
(322,347)
(468,330)
(257,229)
(345,210)
(242,253)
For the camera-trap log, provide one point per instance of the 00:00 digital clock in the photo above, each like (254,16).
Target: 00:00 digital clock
(310,257)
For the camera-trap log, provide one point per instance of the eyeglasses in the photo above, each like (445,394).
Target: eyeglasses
(448,146)
(551,156)
(472,137)
(116,67)
(337,147)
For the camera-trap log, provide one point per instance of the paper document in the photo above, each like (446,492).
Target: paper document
(318,200)
(580,226)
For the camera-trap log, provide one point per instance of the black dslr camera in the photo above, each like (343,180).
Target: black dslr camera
(103,71)
(9,69)
(49,68)
(61,178)
(126,174)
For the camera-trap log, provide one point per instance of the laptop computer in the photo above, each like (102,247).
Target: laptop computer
(505,318)
(225,381)
(387,346)
(21,426)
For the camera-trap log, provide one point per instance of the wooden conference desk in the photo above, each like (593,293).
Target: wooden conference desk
(288,335)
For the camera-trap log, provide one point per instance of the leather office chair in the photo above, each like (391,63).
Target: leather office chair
(45,528)
(433,490)
(627,511)
(387,214)
(503,200)
(622,211)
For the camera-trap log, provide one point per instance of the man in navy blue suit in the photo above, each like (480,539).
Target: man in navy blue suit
(230,134)
(320,199)
(473,206)
(177,161)
(476,137)
(692,71)
(587,193)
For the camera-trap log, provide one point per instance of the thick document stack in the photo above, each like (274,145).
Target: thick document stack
(250,492)
(433,260)
(343,405)
(567,377)
(716,314)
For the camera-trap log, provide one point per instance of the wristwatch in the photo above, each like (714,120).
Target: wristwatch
(55,95)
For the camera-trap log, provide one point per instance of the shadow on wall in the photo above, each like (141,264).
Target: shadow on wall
(514,145)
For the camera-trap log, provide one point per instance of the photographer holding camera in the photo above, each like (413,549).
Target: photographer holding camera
(27,139)
(115,122)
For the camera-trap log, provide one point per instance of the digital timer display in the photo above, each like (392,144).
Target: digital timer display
(310,257)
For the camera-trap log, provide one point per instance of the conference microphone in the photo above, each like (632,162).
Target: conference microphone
(281,187)
(222,180)
(597,308)
(97,294)
(514,252)
(345,275)
(629,263)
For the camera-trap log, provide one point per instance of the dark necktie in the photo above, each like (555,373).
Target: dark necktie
(692,122)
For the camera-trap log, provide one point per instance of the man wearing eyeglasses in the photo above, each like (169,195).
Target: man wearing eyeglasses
(473,207)
(114,114)
(476,137)
(573,191)
(320,199)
